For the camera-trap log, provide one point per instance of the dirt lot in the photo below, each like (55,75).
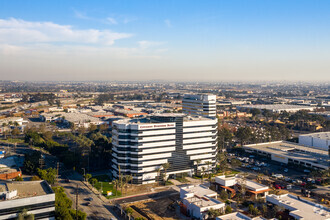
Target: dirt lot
(159,209)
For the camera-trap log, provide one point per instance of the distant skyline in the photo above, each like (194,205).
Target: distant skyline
(150,40)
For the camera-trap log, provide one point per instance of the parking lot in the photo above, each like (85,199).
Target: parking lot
(282,174)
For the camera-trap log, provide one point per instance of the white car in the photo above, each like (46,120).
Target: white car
(277,176)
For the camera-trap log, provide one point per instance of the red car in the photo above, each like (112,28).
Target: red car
(277,186)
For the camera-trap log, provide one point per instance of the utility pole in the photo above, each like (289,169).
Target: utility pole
(58,164)
(77,202)
(84,173)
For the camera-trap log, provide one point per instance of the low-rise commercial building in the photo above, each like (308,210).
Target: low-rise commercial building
(78,119)
(233,183)
(299,208)
(36,197)
(197,200)
(319,140)
(10,167)
(291,153)
(237,216)
(278,108)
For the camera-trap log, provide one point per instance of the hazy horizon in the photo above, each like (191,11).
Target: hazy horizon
(175,41)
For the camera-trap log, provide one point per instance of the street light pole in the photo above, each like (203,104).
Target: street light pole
(84,173)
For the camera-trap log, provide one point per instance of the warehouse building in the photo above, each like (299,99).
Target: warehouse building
(317,140)
(278,108)
(36,197)
(291,153)
(299,208)
(141,146)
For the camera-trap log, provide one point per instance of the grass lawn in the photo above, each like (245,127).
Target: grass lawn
(13,140)
(106,186)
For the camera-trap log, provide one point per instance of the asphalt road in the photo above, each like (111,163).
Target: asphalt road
(97,208)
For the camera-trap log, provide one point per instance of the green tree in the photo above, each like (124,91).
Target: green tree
(213,213)
(244,134)
(88,176)
(228,209)
(236,163)
(223,195)
(15,132)
(49,175)
(35,178)
(129,212)
(93,181)
(166,166)
(92,127)
(62,204)
(81,215)
(23,215)
(18,178)
(197,162)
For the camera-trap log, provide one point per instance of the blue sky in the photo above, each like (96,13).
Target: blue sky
(165,40)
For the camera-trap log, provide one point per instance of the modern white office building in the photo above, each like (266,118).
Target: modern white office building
(319,140)
(201,104)
(141,146)
(36,197)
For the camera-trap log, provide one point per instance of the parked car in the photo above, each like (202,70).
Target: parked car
(288,179)
(277,186)
(307,171)
(286,170)
(289,186)
(278,176)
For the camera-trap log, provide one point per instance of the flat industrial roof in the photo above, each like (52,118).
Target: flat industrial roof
(300,207)
(199,190)
(147,119)
(251,185)
(320,135)
(201,202)
(26,188)
(293,151)
(233,216)
(277,107)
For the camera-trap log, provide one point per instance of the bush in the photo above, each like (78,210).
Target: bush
(224,195)
(35,178)
(18,178)
(228,209)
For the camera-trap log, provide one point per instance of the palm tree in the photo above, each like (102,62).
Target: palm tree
(158,174)
(208,163)
(129,212)
(165,167)
(115,182)
(198,161)
(203,172)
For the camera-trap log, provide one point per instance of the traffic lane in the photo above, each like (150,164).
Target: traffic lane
(95,210)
